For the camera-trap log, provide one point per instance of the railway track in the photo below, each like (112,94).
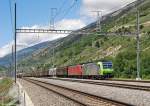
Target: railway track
(112,84)
(82,98)
(126,80)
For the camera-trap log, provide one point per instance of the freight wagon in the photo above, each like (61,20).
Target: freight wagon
(59,72)
(88,70)
(52,72)
(97,70)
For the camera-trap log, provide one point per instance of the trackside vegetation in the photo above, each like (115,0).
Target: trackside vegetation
(5,85)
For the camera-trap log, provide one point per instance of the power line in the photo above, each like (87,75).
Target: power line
(13,31)
(55,13)
(69,9)
(11,18)
(52,20)
(116,7)
(98,23)
(100,18)
(60,9)
(65,12)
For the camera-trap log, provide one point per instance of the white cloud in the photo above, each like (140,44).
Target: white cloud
(5,49)
(31,39)
(106,6)
(70,24)
(28,39)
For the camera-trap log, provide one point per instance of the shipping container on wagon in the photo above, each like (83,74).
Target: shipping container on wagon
(75,70)
(61,71)
(29,74)
(90,69)
(36,73)
(52,72)
(44,73)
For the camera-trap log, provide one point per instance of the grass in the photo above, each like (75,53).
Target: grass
(5,85)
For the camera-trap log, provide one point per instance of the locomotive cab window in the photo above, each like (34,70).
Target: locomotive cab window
(107,65)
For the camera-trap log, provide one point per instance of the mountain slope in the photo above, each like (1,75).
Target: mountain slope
(6,60)
(75,48)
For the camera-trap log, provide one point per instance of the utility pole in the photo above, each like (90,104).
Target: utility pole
(138,46)
(52,20)
(98,23)
(52,26)
(15,34)
(53,57)
(12,61)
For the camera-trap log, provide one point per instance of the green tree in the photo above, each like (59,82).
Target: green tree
(97,44)
(125,64)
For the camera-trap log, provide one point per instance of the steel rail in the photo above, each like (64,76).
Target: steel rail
(86,95)
(47,88)
(127,80)
(127,86)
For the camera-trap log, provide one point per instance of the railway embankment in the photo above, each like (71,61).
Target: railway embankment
(23,95)
(44,97)
(131,96)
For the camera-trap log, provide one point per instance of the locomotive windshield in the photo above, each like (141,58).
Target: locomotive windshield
(107,65)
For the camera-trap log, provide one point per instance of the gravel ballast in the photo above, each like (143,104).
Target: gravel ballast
(109,81)
(44,97)
(134,97)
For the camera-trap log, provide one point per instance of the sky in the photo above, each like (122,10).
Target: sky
(70,15)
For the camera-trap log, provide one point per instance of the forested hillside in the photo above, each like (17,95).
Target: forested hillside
(2,68)
(76,49)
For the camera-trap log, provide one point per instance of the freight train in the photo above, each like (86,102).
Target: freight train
(97,70)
